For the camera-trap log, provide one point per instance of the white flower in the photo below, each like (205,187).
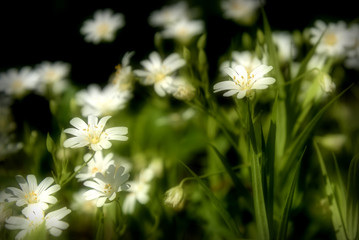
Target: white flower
(242,81)
(168,14)
(159,73)
(334,41)
(284,42)
(52,72)
(241,11)
(97,102)
(31,194)
(34,217)
(93,133)
(103,27)
(183,90)
(81,205)
(183,30)
(174,196)
(353,52)
(105,186)
(123,77)
(138,191)
(53,75)
(245,58)
(97,164)
(54,223)
(17,82)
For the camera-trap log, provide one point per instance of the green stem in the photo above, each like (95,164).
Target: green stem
(77,171)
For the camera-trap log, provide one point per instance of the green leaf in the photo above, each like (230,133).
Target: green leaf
(236,182)
(337,214)
(217,203)
(298,143)
(258,197)
(283,226)
(352,219)
(50,144)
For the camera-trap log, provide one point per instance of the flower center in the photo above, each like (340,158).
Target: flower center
(94,139)
(330,39)
(245,84)
(102,29)
(94,170)
(159,77)
(107,189)
(31,197)
(17,84)
(51,76)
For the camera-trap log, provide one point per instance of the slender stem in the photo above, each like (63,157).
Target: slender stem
(77,171)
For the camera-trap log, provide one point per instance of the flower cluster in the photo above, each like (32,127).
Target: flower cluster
(34,200)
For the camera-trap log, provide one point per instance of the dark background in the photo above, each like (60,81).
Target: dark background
(34,31)
(49,30)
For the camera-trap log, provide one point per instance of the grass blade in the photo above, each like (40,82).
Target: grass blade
(258,197)
(218,204)
(337,216)
(283,226)
(236,182)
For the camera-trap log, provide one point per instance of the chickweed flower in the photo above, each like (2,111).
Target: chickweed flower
(183,30)
(242,82)
(174,196)
(245,58)
(98,163)
(105,186)
(34,217)
(240,11)
(31,194)
(93,134)
(53,75)
(99,102)
(103,27)
(168,14)
(16,83)
(138,192)
(335,38)
(160,73)
(123,77)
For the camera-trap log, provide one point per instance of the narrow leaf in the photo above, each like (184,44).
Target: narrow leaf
(236,182)
(283,226)
(217,203)
(259,203)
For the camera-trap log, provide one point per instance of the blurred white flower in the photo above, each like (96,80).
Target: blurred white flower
(81,205)
(53,75)
(34,217)
(103,27)
(138,191)
(352,60)
(16,83)
(169,14)
(285,45)
(245,58)
(335,38)
(174,196)
(242,82)
(98,163)
(99,102)
(105,186)
(183,90)
(93,133)
(240,11)
(31,194)
(54,223)
(160,73)
(183,30)
(123,77)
